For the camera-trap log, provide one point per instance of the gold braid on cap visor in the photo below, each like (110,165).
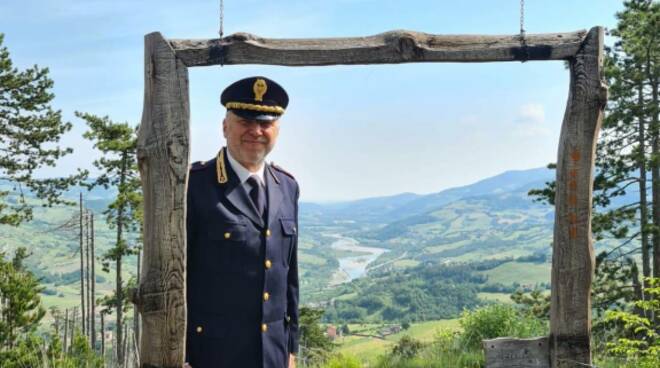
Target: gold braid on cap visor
(254,107)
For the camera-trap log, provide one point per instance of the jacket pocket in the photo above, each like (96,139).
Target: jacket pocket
(230,232)
(289,233)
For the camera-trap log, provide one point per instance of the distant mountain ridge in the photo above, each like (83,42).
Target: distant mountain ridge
(397,207)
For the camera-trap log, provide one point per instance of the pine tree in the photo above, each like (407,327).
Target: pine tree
(29,132)
(118,167)
(20,304)
(627,149)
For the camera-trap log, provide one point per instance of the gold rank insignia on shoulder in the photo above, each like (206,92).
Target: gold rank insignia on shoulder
(220,167)
(259,89)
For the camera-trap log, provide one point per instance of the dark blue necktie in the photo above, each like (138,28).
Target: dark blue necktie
(257,195)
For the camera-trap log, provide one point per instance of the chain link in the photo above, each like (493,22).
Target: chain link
(222,17)
(522,18)
(523,41)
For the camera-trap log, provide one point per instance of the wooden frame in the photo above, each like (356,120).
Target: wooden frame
(164,140)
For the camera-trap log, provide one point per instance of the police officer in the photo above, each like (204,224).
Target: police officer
(242,279)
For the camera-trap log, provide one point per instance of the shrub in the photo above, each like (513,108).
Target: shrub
(498,320)
(407,347)
(343,361)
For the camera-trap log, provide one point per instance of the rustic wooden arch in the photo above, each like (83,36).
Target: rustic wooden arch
(163,155)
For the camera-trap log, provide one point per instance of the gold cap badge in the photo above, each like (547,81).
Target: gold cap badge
(259,89)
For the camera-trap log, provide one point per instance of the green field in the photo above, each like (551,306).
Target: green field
(496,297)
(367,349)
(520,272)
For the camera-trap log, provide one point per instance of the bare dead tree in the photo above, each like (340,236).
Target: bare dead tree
(82,254)
(88,294)
(66,330)
(103,335)
(93,283)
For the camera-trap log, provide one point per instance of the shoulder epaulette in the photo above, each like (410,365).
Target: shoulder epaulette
(278,168)
(199,165)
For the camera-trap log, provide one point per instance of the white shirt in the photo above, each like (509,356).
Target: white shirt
(244,174)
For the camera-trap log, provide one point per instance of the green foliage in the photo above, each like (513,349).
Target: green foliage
(407,347)
(20,304)
(342,361)
(638,343)
(425,292)
(535,303)
(29,132)
(315,346)
(446,350)
(498,320)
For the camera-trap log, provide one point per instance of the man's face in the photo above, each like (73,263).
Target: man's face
(249,140)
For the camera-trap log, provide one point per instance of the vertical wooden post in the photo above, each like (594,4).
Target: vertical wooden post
(163,155)
(573,256)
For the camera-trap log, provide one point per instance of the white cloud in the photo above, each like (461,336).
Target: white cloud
(532,113)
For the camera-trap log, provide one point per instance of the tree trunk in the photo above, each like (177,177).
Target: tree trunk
(136,314)
(82,268)
(90,317)
(74,315)
(120,244)
(66,330)
(572,256)
(653,80)
(643,209)
(93,283)
(163,154)
(103,336)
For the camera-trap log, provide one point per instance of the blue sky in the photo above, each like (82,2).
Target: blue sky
(350,131)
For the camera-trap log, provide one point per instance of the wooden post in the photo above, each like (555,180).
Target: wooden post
(573,255)
(163,162)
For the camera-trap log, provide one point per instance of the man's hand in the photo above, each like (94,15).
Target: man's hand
(186,365)
(292,361)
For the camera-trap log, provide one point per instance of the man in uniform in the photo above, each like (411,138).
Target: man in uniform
(242,279)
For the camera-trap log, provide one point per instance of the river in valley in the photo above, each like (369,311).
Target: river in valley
(353,266)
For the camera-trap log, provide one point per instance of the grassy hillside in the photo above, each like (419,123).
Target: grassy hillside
(368,348)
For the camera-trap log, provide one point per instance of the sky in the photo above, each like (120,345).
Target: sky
(349,131)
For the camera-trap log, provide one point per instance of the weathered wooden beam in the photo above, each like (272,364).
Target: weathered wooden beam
(163,154)
(385,48)
(505,352)
(573,255)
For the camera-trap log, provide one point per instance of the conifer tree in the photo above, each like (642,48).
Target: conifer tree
(20,303)
(118,169)
(29,132)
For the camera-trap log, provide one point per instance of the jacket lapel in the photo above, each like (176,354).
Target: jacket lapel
(233,190)
(274,194)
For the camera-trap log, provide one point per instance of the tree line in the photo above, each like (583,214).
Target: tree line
(30,131)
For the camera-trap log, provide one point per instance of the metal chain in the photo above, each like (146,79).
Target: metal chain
(522,19)
(222,17)
(523,41)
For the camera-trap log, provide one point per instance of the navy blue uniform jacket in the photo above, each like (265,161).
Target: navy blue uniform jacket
(242,271)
